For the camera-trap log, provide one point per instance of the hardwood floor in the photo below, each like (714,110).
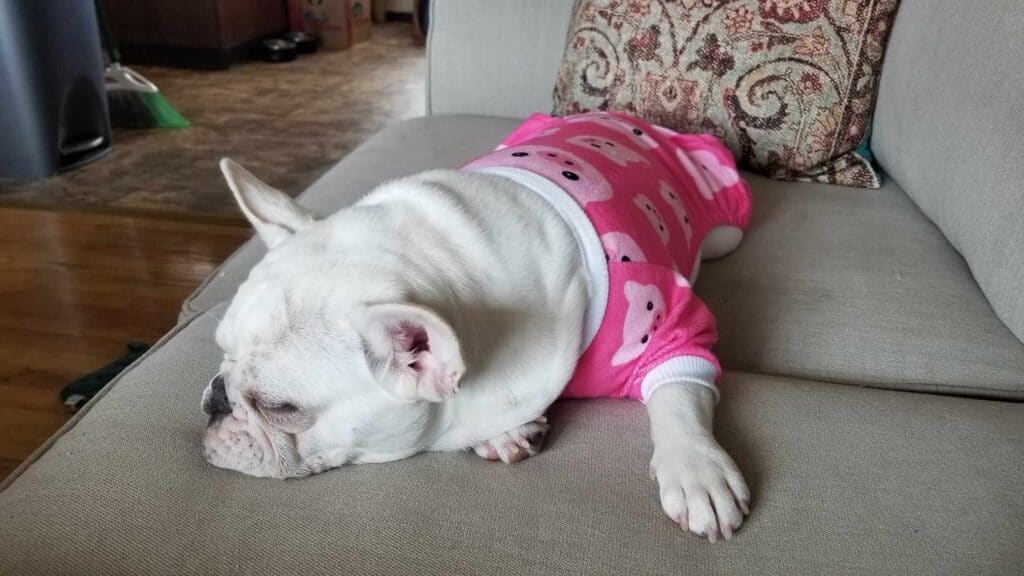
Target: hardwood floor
(75,288)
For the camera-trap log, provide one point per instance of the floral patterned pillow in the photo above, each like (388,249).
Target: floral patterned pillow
(788,85)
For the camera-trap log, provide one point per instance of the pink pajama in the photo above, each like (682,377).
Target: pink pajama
(651,195)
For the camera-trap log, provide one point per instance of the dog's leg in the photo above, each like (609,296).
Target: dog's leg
(516,444)
(720,241)
(701,488)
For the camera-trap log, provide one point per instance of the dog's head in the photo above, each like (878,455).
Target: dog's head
(314,373)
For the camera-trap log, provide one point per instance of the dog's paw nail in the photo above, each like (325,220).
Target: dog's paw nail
(520,443)
(713,535)
(486,451)
(744,507)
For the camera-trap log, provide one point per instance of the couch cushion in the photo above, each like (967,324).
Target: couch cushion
(788,86)
(845,480)
(949,127)
(860,288)
(494,58)
(830,284)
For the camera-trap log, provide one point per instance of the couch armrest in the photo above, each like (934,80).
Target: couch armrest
(494,57)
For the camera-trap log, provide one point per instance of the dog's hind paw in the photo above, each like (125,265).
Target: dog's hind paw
(516,444)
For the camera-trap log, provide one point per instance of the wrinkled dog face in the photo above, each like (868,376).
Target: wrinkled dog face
(295,394)
(311,377)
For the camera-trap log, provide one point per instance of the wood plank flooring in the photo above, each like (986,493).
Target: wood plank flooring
(75,288)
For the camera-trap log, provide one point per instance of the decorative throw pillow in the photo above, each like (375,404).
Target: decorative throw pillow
(788,85)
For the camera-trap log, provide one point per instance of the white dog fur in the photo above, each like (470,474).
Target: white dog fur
(443,311)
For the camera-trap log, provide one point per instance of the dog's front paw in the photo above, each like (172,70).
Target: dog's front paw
(516,444)
(701,488)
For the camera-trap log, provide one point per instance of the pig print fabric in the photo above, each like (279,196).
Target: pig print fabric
(652,195)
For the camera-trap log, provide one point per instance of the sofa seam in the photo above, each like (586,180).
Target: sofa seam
(428,101)
(73,421)
(187,309)
(947,390)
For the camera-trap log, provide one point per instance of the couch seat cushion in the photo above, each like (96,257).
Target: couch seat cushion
(856,286)
(837,284)
(844,479)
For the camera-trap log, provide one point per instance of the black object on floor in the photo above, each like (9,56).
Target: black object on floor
(81,390)
(277,50)
(305,43)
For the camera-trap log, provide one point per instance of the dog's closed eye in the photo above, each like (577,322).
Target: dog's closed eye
(282,408)
(282,414)
(271,407)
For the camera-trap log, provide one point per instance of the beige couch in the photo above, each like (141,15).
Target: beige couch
(871,395)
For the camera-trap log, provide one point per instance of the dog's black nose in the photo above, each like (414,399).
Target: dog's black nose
(218,404)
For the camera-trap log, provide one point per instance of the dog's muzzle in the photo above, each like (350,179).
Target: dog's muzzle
(217,404)
(232,439)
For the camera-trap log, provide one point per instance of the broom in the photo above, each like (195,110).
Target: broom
(134,101)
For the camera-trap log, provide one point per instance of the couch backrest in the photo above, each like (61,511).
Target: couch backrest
(949,128)
(495,57)
(949,123)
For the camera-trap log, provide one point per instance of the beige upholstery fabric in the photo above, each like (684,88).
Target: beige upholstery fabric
(494,57)
(857,288)
(845,481)
(949,127)
(830,284)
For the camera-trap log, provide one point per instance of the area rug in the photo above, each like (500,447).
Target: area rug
(287,122)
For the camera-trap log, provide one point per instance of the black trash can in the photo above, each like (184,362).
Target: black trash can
(53,106)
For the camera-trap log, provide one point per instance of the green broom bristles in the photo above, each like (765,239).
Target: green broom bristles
(134,101)
(163,113)
(136,109)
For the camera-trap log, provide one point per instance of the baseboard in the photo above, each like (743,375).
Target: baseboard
(197,58)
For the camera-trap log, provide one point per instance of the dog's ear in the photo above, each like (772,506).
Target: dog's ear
(415,353)
(273,214)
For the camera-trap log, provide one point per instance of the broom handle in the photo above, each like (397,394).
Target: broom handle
(108,40)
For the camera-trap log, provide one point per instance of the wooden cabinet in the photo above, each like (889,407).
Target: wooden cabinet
(192,33)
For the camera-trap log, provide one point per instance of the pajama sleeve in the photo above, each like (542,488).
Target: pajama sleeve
(680,347)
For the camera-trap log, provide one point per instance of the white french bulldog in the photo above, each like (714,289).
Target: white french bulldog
(443,311)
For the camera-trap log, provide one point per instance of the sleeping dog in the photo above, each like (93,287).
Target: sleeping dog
(448,310)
